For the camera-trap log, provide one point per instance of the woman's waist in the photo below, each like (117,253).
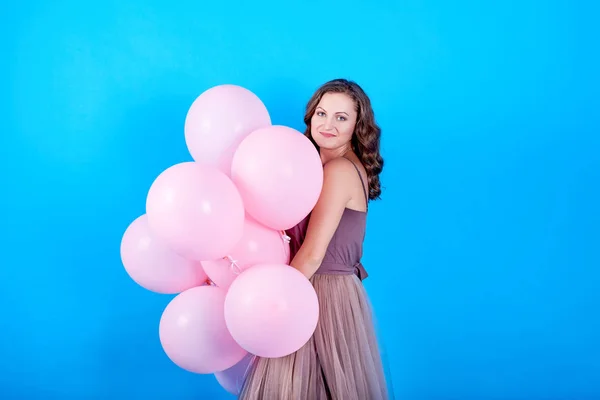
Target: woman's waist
(331,267)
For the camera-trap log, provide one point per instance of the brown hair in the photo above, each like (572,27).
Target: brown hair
(365,141)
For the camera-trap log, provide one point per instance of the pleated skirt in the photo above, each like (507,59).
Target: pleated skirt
(341,361)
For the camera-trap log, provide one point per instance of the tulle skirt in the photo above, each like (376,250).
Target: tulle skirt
(342,360)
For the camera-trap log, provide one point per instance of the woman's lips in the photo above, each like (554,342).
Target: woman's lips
(327,135)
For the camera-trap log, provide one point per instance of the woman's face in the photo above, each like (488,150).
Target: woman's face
(332,124)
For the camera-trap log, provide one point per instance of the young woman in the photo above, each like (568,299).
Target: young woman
(342,360)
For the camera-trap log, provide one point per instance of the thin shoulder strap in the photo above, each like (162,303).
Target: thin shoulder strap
(362,182)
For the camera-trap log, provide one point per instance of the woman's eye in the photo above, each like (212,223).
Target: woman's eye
(342,118)
(320,113)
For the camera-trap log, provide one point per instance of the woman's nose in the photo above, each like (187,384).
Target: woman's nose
(329,123)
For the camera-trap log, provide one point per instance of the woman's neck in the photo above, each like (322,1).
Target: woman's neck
(330,154)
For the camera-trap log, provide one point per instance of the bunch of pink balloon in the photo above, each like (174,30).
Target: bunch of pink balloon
(214,235)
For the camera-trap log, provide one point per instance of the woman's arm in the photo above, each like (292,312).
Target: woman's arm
(326,216)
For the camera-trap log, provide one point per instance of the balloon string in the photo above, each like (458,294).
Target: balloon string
(235,268)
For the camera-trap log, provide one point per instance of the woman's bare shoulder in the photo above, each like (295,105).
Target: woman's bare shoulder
(339,167)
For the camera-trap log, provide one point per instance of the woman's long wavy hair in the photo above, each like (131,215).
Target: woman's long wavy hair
(366,138)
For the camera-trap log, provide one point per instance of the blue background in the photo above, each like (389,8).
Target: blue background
(483,254)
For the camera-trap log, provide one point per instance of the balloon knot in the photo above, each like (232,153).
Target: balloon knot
(235,268)
(285,237)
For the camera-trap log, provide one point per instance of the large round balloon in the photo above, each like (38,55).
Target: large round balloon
(259,245)
(279,174)
(196,210)
(153,265)
(218,120)
(193,332)
(271,310)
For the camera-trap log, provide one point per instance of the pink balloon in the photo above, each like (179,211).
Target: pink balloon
(271,310)
(193,332)
(218,120)
(196,210)
(279,174)
(233,378)
(259,245)
(153,265)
